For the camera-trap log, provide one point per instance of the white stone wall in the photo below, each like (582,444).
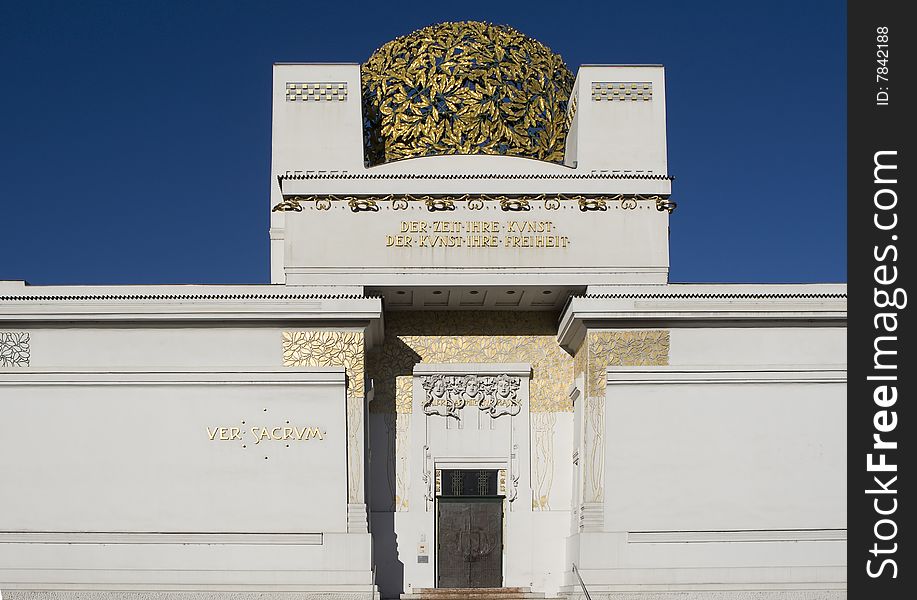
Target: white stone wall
(155,440)
(121,478)
(616,149)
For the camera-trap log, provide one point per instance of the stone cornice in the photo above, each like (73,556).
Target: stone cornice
(719,296)
(470,182)
(120,297)
(167,376)
(22,305)
(712,374)
(707,305)
(338,175)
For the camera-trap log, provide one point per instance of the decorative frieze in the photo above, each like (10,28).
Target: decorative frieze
(14,349)
(621,90)
(315,91)
(447,203)
(446,395)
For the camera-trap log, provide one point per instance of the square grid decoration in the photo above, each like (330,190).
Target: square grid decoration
(316,91)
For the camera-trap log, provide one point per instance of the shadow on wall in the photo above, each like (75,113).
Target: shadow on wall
(389,570)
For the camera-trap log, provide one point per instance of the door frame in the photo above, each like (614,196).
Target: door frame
(500,497)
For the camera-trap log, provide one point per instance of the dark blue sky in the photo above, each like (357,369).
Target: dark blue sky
(135,136)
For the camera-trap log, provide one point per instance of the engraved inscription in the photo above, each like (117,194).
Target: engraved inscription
(476,234)
(258,434)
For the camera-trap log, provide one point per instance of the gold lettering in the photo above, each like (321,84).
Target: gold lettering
(398,241)
(413,227)
(477,234)
(260,433)
(279,433)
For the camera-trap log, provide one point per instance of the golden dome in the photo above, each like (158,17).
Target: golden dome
(465,88)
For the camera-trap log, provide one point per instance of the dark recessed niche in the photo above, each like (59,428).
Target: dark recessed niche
(474,292)
(510,292)
(547,292)
(437,292)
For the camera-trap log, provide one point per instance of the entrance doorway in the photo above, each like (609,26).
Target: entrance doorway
(469,530)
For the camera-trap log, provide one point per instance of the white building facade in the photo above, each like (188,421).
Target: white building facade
(469,370)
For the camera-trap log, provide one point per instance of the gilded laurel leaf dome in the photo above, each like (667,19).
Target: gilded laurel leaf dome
(465,88)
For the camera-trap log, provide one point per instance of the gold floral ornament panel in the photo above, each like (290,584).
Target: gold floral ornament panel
(465,88)
(328,349)
(14,349)
(602,349)
(470,337)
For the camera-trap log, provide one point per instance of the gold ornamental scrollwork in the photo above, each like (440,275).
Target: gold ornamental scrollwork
(514,204)
(362,204)
(587,204)
(506,202)
(289,204)
(664,204)
(475,204)
(437,204)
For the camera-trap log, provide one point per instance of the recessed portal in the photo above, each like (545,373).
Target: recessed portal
(469,530)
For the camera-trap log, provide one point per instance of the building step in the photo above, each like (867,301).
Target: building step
(506,593)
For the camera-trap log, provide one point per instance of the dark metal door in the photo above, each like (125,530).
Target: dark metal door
(469,542)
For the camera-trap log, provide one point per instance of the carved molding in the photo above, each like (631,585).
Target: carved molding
(14,349)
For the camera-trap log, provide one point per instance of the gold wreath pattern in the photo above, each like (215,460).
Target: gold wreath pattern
(465,88)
